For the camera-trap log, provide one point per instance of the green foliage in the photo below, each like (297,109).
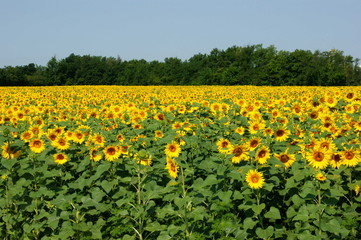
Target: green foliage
(249,65)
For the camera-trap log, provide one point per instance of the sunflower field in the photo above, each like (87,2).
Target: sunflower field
(180,162)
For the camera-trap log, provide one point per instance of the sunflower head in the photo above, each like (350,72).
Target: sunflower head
(255,179)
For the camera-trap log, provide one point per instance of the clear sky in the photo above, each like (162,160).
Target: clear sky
(34,31)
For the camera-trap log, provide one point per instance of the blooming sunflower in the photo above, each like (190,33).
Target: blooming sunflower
(172,167)
(320,177)
(158,134)
(61,143)
(336,160)
(350,157)
(253,143)
(95,154)
(255,179)
(60,158)
(286,158)
(254,127)
(111,153)
(326,144)
(78,137)
(9,151)
(281,134)
(240,130)
(318,158)
(172,149)
(240,153)
(263,154)
(143,160)
(26,136)
(37,145)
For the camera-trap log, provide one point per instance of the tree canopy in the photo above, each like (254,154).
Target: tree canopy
(249,65)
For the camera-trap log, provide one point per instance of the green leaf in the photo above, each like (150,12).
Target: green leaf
(155,227)
(108,186)
(248,223)
(97,194)
(273,213)
(265,233)
(257,209)
(332,226)
(8,163)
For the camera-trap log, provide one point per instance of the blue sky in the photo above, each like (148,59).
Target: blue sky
(34,31)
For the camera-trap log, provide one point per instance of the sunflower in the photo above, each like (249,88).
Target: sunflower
(331,101)
(224,146)
(26,136)
(143,160)
(78,137)
(124,149)
(95,154)
(37,145)
(158,134)
(336,160)
(286,158)
(268,131)
(253,143)
(281,134)
(318,158)
(350,157)
(60,158)
(255,127)
(159,116)
(172,167)
(52,136)
(9,151)
(320,177)
(240,130)
(240,153)
(61,143)
(263,154)
(326,144)
(254,179)
(111,153)
(172,149)
(97,140)
(120,138)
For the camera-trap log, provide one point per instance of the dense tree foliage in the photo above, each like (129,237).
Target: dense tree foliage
(250,65)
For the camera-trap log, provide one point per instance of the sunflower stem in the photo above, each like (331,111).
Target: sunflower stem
(184,195)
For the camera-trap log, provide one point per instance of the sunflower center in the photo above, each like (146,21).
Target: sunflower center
(349,155)
(254,143)
(237,151)
(172,148)
(325,145)
(37,144)
(111,151)
(255,179)
(60,157)
(336,157)
(280,133)
(284,158)
(349,95)
(318,156)
(224,144)
(314,115)
(262,153)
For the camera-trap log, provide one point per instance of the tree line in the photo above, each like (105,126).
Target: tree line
(249,65)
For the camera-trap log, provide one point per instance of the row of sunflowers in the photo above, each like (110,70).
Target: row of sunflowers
(180,162)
